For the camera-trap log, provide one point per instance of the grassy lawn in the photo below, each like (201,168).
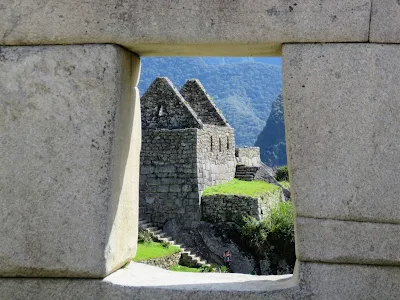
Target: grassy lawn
(180,268)
(240,187)
(153,250)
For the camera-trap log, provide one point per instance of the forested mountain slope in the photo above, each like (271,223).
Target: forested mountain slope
(242,88)
(271,140)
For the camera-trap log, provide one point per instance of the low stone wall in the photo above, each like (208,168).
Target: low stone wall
(224,208)
(165,262)
(249,156)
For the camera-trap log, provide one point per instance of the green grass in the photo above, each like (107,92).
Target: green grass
(240,187)
(153,250)
(180,268)
(285,184)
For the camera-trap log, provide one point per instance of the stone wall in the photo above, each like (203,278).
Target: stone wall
(216,155)
(168,176)
(249,156)
(226,208)
(163,107)
(165,262)
(176,165)
(195,94)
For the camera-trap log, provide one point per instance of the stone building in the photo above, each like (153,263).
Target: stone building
(187,145)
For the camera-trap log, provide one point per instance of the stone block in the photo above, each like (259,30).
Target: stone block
(342,130)
(231,28)
(350,282)
(144,282)
(322,240)
(385,21)
(70,143)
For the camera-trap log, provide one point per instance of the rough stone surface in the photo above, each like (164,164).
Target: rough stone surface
(215,155)
(217,241)
(67,183)
(313,281)
(142,282)
(350,282)
(249,156)
(342,129)
(194,93)
(163,107)
(231,208)
(322,240)
(168,176)
(385,21)
(163,262)
(180,156)
(230,28)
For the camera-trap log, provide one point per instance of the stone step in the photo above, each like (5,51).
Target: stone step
(252,169)
(245,177)
(161,239)
(161,236)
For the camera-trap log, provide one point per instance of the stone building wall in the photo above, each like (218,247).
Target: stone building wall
(163,107)
(195,94)
(249,156)
(216,155)
(168,176)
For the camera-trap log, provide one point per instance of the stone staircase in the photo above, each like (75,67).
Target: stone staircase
(246,173)
(187,259)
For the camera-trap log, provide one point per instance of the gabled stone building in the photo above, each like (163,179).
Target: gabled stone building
(187,145)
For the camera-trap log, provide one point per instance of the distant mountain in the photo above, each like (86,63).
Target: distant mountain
(271,140)
(242,88)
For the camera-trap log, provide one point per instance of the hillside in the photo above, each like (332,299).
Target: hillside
(242,88)
(271,140)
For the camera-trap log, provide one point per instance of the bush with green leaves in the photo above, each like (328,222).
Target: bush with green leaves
(272,237)
(282,174)
(144,236)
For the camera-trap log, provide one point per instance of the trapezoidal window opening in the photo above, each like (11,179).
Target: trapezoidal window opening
(201,156)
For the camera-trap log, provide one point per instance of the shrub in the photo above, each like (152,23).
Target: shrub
(282,174)
(165,244)
(144,236)
(272,237)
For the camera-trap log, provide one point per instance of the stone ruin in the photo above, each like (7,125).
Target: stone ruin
(187,145)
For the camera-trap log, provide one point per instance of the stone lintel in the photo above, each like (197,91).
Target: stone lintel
(187,28)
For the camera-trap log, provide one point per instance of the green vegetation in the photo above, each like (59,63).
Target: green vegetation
(204,269)
(272,237)
(244,188)
(180,268)
(144,236)
(154,250)
(282,174)
(285,184)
